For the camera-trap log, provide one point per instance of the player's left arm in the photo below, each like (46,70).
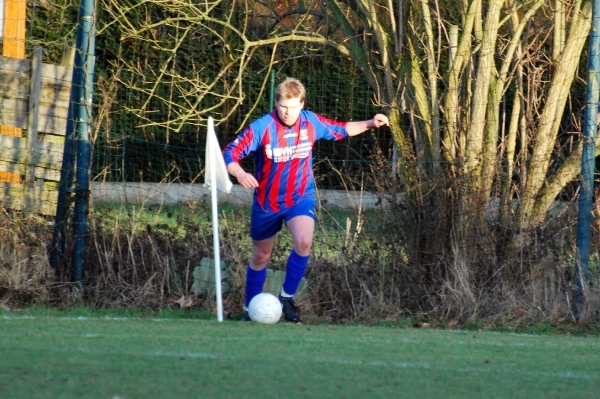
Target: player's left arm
(356,128)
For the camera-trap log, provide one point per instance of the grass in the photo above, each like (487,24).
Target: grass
(103,354)
(172,219)
(335,228)
(168,217)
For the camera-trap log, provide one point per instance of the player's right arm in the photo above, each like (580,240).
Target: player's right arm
(245,179)
(238,149)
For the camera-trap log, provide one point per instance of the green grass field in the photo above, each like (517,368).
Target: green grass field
(65,355)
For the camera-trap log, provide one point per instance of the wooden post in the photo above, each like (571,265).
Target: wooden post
(14,28)
(33,114)
(67,56)
(14,41)
(13,46)
(32,132)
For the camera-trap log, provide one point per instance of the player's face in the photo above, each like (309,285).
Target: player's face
(289,110)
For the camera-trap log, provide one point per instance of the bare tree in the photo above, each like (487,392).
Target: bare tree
(224,43)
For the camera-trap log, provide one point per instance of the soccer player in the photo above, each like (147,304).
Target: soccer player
(283,184)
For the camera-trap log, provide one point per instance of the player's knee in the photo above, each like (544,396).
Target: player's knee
(303,247)
(260,259)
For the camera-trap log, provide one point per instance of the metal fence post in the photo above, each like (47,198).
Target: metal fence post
(586,191)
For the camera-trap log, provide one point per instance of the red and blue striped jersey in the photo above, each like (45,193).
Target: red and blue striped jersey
(283,156)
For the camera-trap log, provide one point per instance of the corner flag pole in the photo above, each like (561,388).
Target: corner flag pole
(216,244)
(217,178)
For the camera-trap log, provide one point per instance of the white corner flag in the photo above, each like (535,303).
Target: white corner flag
(216,176)
(215,169)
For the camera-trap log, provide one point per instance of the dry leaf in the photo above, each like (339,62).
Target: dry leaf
(184,302)
(421,325)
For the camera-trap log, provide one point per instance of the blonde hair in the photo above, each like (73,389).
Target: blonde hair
(290,88)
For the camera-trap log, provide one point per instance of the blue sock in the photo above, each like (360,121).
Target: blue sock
(255,279)
(294,270)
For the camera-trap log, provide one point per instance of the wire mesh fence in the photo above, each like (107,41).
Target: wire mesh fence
(124,154)
(437,235)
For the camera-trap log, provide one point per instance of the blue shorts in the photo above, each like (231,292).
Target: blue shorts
(266,224)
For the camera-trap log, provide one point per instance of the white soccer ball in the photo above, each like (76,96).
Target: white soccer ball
(265,308)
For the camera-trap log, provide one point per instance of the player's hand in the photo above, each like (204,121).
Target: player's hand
(380,120)
(246,180)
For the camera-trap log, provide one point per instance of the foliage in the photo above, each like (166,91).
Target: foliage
(486,116)
(52,25)
(143,257)
(476,109)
